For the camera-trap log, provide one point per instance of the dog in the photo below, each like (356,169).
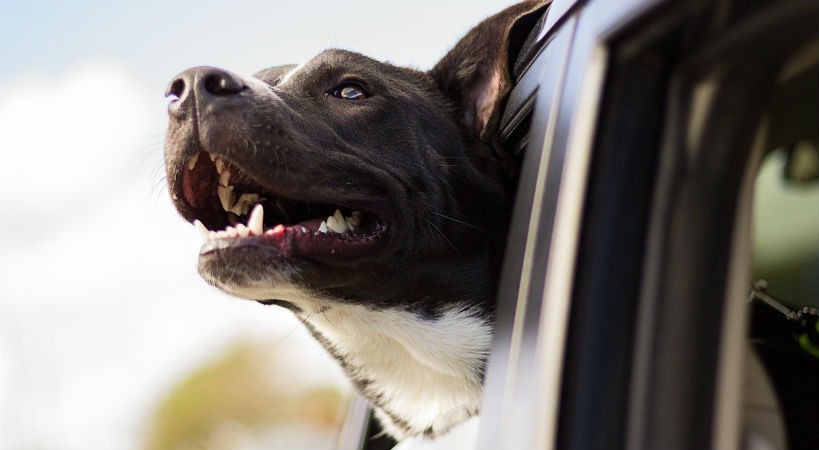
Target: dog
(371,200)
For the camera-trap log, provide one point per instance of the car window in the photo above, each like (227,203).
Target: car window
(786,224)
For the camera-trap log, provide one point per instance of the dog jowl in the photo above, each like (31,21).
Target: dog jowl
(369,199)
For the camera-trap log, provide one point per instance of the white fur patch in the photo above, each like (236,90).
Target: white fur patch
(426,371)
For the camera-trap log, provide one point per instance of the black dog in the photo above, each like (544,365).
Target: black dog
(371,200)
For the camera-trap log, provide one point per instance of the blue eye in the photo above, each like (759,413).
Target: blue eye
(350,92)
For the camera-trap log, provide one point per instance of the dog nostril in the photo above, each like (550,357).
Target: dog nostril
(204,85)
(222,83)
(176,89)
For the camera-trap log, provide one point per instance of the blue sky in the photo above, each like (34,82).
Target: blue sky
(157,38)
(98,271)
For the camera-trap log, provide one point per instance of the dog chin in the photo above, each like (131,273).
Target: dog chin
(250,279)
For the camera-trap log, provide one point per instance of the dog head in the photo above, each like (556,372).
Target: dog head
(353,187)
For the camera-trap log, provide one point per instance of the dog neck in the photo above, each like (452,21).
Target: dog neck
(422,374)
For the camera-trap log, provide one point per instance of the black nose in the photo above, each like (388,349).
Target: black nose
(201,86)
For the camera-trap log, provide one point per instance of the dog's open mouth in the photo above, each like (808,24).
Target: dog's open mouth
(230,209)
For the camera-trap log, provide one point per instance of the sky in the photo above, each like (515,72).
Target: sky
(101,308)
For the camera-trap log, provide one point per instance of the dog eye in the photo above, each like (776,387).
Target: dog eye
(350,92)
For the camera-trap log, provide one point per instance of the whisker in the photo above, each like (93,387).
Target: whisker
(468,158)
(301,324)
(444,236)
(158,186)
(475,227)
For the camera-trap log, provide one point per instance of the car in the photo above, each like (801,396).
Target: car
(661,279)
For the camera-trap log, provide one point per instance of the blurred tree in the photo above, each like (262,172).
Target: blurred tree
(239,401)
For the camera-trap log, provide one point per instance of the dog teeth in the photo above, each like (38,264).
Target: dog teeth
(256,221)
(243,204)
(192,161)
(224,178)
(240,205)
(354,220)
(254,227)
(226,196)
(202,229)
(336,222)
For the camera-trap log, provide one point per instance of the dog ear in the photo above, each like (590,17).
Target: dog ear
(476,73)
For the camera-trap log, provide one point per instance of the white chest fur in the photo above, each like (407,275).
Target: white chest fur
(424,374)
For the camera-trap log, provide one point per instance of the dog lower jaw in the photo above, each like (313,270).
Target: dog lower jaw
(300,241)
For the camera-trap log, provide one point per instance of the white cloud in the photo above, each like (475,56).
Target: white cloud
(67,140)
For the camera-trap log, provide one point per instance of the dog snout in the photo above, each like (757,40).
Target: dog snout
(201,86)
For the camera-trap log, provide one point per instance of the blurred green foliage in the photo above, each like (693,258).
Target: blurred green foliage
(241,395)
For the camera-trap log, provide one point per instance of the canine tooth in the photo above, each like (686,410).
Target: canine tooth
(242,230)
(224,178)
(212,157)
(256,221)
(226,197)
(220,165)
(202,230)
(192,161)
(323,227)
